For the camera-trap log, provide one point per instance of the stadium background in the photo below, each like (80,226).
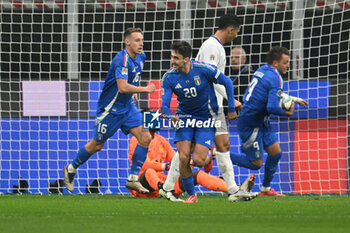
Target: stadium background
(34,47)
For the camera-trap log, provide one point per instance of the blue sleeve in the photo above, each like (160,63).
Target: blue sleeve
(273,98)
(273,103)
(166,98)
(226,81)
(121,71)
(215,76)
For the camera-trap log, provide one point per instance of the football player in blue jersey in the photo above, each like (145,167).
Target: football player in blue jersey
(197,109)
(213,52)
(117,110)
(261,99)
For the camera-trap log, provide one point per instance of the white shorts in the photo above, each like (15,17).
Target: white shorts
(223,128)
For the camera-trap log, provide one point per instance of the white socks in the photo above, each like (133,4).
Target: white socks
(224,164)
(226,168)
(173,174)
(265,189)
(132,177)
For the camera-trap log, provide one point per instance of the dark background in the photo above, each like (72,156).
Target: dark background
(34,47)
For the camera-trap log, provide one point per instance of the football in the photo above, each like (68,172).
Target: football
(286,101)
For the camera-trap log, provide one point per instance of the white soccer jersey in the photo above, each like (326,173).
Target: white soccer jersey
(213,52)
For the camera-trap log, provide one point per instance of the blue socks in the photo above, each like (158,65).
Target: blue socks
(270,165)
(270,168)
(138,158)
(81,157)
(242,161)
(189,185)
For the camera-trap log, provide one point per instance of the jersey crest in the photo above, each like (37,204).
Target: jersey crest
(197,80)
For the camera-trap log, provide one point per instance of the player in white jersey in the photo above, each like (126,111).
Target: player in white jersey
(212,51)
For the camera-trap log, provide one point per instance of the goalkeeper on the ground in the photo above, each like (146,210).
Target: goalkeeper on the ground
(152,173)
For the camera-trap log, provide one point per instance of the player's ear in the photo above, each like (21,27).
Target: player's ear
(127,41)
(275,63)
(231,29)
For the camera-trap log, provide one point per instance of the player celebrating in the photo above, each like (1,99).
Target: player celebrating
(192,82)
(260,100)
(212,51)
(152,172)
(116,109)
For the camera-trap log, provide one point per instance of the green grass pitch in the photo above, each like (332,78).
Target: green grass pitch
(115,213)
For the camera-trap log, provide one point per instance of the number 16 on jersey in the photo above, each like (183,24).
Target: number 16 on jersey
(102,128)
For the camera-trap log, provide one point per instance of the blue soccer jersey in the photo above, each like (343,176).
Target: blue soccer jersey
(195,91)
(122,66)
(262,96)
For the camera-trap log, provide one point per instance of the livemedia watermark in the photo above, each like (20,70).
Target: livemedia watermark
(153,120)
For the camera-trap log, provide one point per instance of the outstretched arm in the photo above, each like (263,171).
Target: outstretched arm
(299,101)
(221,90)
(126,88)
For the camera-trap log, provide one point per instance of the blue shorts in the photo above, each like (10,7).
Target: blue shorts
(256,139)
(105,127)
(204,136)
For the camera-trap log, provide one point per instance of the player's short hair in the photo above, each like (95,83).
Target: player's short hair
(129,31)
(228,20)
(275,54)
(183,48)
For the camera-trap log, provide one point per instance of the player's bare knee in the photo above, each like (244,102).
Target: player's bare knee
(99,147)
(184,157)
(223,146)
(199,161)
(94,146)
(145,140)
(148,138)
(258,163)
(95,149)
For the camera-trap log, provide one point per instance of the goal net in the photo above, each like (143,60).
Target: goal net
(55,56)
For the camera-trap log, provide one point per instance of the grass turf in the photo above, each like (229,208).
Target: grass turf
(114,213)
